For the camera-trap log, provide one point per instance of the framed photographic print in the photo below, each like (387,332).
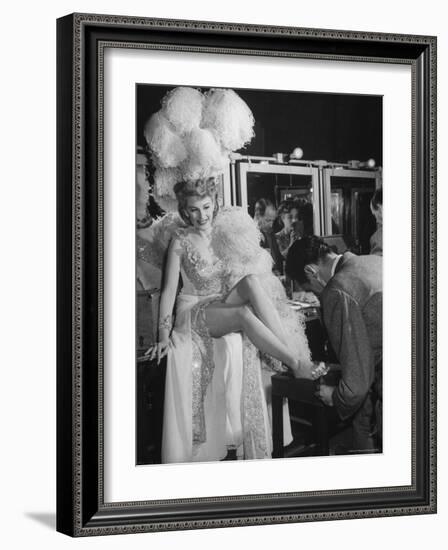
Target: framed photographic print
(225,354)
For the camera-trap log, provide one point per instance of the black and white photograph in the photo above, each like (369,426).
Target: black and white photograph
(259,313)
(196,351)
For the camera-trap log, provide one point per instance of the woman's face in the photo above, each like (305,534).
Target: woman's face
(286,218)
(200,212)
(294,215)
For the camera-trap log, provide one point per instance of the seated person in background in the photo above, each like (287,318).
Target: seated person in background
(351,301)
(265,214)
(376,206)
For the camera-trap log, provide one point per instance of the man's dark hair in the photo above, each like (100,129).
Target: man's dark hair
(308,250)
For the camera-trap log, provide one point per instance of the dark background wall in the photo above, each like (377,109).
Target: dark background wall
(333,127)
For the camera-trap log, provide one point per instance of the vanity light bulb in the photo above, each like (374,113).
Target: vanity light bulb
(297,153)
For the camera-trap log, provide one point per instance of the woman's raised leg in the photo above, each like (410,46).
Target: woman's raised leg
(223,318)
(249,290)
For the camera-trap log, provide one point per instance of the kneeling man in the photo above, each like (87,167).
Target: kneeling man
(351,301)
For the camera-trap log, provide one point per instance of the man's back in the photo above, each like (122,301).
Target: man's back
(360,277)
(352,309)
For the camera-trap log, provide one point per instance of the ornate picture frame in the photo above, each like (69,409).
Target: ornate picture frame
(81,506)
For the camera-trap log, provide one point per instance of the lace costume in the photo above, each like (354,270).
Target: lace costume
(217,391)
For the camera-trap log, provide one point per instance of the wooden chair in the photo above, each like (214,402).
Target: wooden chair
(302,391)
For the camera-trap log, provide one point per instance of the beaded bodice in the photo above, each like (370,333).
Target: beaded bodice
(201,276)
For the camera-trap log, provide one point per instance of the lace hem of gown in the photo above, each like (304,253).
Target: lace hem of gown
(255,440)
(202,366)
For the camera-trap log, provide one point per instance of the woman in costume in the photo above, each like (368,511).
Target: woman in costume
(214,397)
(231,318)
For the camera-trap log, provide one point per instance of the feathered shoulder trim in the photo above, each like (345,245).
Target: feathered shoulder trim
(153,242)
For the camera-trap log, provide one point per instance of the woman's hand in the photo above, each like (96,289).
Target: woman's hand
(159,350)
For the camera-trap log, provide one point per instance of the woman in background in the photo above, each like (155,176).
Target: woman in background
(288,213)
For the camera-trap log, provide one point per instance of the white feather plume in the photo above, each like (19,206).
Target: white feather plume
(182,106)
(164,181)
(166,146)
(229,116)
(205,157)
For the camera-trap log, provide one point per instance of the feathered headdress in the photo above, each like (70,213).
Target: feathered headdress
(192,135)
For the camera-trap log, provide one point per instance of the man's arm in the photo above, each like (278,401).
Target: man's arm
(348,336)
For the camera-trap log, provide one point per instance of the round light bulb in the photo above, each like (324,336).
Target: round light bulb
(297,153)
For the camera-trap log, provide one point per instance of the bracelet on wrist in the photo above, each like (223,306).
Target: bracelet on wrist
(165,323)
(321,370)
